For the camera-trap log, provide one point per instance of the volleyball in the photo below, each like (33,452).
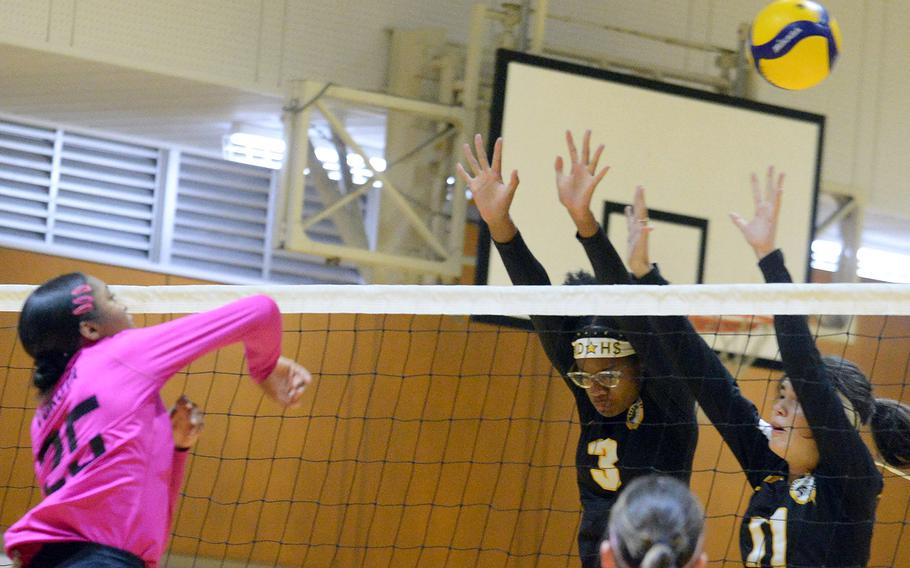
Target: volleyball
(794,43)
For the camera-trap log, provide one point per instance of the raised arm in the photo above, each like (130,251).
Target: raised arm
(493,198)
(159,351)
(841,449)
(695,365)
(576,188)
(716,391)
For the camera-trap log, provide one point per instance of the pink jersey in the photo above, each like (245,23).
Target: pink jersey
(102,440)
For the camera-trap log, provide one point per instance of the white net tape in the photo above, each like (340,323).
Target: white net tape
(715,299)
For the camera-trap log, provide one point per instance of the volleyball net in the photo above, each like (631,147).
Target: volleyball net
(433,438)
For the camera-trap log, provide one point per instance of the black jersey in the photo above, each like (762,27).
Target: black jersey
(657,434)
(824,519)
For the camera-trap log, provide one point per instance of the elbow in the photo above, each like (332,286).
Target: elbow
(265,307)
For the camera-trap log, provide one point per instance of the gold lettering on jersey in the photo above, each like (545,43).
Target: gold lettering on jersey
(778,545)
(636,415)
(802,490)
(607,474)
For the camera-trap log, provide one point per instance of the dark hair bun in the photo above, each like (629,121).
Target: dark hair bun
(48,369)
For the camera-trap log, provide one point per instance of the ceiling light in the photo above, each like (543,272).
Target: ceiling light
(255,146)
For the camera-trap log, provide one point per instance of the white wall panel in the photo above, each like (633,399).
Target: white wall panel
(891,169)
(345,41)
(210,37)
(24,19)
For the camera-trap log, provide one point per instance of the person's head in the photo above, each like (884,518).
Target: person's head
(655,523)
(607,367)
(61,316)
(792,438)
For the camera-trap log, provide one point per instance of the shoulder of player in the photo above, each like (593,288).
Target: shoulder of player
(832,480)
(664,406)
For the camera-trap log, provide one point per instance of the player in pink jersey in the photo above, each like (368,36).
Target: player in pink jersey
(102,438)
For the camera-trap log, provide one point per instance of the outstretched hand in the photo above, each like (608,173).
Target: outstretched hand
(637,243)
(492,196)
(287,382)
(576,187)
(761,231)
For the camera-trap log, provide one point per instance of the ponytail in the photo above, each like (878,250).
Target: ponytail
(49,326)
(659,555)
(888,419)
(49,368)
(656,523)
(891,431)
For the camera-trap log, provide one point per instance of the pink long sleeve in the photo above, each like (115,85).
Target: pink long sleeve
(177,469)
(160,351)
(102,441)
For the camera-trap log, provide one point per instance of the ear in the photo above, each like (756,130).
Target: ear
(90,330)
(606,555)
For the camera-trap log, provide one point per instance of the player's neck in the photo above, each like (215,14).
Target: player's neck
(795,472)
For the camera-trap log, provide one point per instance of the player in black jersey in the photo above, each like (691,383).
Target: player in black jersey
(816,483)
(635,419)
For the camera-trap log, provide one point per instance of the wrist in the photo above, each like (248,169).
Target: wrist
(502,230)
(640,270)
(585,223)
(763,251)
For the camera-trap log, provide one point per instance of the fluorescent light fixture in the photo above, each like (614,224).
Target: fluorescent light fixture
(326,154)
(883,265)
(355,160)
(872,263)
(826,255)
(255,146)
(378,164)
(362,172)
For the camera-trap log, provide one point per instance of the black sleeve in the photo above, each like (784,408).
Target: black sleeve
(716,391)
(842,451)
(698,366)
(674,398)
(555,332)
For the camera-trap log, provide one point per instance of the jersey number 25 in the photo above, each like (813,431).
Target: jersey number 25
(96,444)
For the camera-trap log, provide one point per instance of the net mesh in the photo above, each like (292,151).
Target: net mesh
(428,439)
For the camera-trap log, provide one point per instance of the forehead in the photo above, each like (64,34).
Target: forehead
(596,364)
(96,284)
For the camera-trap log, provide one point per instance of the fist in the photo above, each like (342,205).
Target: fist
(287,382)
(187,422)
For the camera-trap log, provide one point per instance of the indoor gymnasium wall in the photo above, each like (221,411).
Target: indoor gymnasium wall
(266,483)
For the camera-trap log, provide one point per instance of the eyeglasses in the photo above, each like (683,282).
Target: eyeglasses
(608,379)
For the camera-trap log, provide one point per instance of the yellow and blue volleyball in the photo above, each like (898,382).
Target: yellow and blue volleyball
(794,43)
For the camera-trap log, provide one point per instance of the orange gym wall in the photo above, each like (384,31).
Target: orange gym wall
(272,487)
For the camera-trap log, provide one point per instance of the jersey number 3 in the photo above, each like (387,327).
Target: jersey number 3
(759,527)
(607,474)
